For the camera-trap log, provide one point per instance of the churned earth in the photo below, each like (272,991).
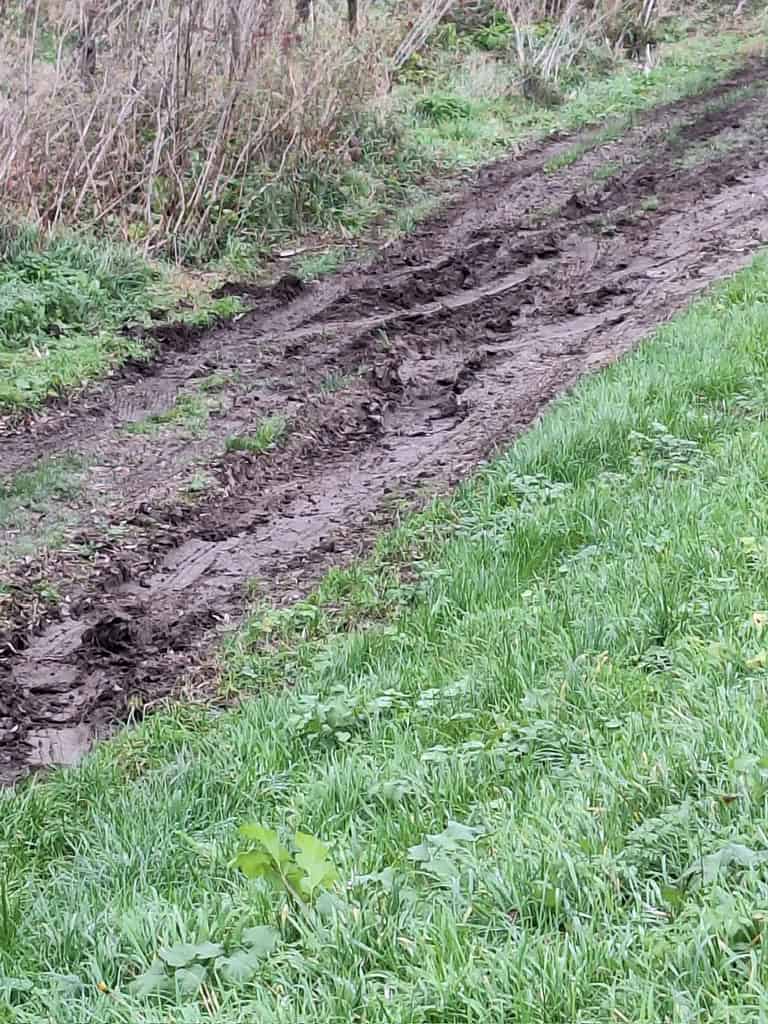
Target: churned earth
(252,457)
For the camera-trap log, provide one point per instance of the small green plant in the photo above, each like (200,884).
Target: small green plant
(446,37)
(211,311)
(566,158)
(537,88)
(417,70)
(198,483)
(269,433)
(316,265)
(664,450)
(649,204)
(217,382)
(440,107)
(48,592)
(335,382)
(438,855)
(408,217)
(339,717)
(188,411)
(302,870)
(183,968)
(607,170)
(496,34)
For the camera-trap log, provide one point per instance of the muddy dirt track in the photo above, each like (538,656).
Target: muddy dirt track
(397,378)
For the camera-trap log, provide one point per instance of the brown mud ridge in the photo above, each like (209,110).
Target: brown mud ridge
(397,379)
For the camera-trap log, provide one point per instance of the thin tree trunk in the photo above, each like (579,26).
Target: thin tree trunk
(87,45)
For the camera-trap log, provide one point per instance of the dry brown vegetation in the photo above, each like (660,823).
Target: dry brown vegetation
(153,111)
(156,120)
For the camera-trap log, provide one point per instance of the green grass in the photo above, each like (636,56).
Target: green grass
(313,266)
(335,382)
(207,312)
(62,302)
(649,204)
(607,170)
(51,478)
(501,121)
(571,669)
(267,435)
(30,506)
(570,156)
(199,483)
(440,108)
(408,217)
(38,489)
(217,381)
(675,80)
(189,412)
(447,117)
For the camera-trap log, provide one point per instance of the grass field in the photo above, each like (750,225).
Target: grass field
(531,733)
(70,309)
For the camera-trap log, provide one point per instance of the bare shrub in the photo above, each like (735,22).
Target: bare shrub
(162,120)
(575,27)
(148,112)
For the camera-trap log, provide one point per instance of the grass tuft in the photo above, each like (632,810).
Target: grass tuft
(267,436)
(62,302)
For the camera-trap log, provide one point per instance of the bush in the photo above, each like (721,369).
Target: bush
(496,34)
(443,107)
(153,120)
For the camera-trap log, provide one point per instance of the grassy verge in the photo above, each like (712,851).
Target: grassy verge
(65,302)
(486,112)
(61,306)
(458,108)
(538,760)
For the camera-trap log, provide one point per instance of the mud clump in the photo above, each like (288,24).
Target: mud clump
(285,289)
(115,634)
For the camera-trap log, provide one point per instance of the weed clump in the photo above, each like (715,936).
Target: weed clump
(443,107)
(268,435)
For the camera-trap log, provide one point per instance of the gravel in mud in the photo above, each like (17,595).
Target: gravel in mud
(397,378)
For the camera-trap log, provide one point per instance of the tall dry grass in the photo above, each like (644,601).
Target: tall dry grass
(576,27)
(148,112)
